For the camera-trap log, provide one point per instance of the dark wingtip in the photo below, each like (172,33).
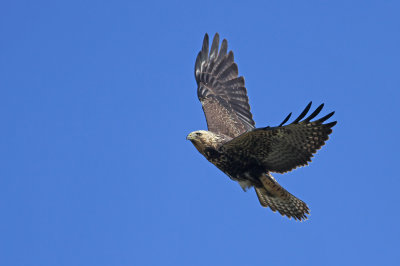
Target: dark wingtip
(315,113)
(205,44)
(214,47)
(231,56)
(285,120)
(323,119)
(331,124)
(303,114)
(197,66)
(204,49)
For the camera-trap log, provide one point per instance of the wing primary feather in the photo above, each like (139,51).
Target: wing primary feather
(204,49)
(225,63)
(223,50)
(314,114)
(214,47)
(323,119)
(331,124)
(285,120)
(303,114)
(229,73)
(197,67)
(222,53)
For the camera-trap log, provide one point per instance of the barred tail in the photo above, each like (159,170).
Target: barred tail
(279,199)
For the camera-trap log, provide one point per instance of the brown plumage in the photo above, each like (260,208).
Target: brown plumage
(245,153)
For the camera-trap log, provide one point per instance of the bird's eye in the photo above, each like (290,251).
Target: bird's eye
(198,134)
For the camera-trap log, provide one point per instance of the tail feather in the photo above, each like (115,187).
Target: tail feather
(279,199)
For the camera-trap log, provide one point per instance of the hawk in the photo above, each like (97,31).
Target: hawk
(245,153)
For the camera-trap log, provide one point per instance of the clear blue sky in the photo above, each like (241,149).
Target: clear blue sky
(96,100)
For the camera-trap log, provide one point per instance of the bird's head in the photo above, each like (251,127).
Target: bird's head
(203,139)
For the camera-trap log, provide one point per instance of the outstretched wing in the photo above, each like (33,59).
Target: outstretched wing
(284,148)
(221,92)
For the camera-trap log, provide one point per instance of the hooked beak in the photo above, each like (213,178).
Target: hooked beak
(189,137)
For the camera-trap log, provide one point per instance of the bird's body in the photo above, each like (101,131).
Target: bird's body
(245,153)
(237,167)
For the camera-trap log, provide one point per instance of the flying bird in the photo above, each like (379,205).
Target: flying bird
(245,153)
